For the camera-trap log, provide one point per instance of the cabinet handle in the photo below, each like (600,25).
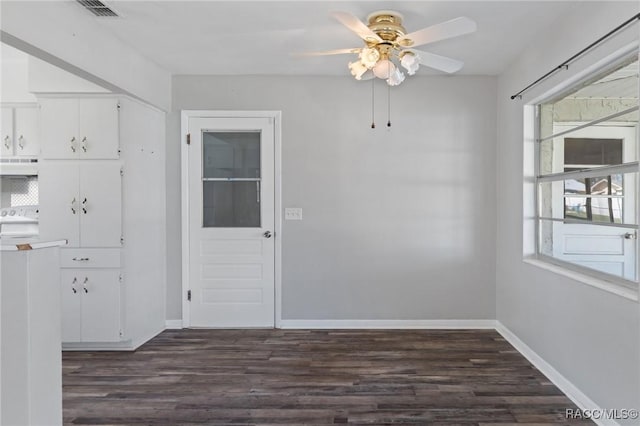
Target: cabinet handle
(84,284)
(84,206)
(7,142)
(21,142)
(84,144)
(73,285)
(73,206)
(73,144)
(81,259)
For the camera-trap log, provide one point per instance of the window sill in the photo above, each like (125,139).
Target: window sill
(610,287)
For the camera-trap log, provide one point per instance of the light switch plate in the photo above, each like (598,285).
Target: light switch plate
(292,213)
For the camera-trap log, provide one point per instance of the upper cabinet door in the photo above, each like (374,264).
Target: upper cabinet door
(6,132)
(98,133)
(59,131)
(60,206)
(26,132)
(100,204)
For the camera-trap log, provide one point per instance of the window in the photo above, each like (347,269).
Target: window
(587,175)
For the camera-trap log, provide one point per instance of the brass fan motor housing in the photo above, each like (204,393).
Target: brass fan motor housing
(387,25)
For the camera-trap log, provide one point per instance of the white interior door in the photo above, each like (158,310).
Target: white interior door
(231,222)
(604,248)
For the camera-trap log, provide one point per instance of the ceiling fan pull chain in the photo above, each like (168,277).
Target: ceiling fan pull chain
(373,122)
(389,99)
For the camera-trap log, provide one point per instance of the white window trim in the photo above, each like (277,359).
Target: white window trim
(609,283)
(591,280)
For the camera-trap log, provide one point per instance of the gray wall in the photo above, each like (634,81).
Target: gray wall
(589,335)
(398,224)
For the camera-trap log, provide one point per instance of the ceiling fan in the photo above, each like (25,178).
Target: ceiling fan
(388,45)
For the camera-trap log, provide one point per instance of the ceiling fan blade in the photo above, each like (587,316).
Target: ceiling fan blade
(441,63)
(355,25)
(453,28)
(329,52)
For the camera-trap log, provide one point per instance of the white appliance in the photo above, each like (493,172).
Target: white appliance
(18,167)
(19,222)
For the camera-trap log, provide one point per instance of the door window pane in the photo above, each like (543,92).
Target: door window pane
(231,154)
(228,204)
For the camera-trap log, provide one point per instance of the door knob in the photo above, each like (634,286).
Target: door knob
(267,234)
(630,236)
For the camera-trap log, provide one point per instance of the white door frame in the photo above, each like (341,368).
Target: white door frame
(184,152)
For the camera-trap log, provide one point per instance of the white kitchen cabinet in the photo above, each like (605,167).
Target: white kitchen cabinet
(70,298)
(6,122)
(80,128)
(122,231)
(82,202)
(91,307)
(20,131)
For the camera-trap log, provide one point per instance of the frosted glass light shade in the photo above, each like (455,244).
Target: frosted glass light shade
(395,78)
(384,69)
(411,62)
(369,57)
(357,69)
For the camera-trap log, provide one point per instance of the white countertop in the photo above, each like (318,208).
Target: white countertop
(19,244)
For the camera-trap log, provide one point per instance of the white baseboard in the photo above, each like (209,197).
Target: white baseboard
(580,399)
(173,324)
(388,324)
(127,345)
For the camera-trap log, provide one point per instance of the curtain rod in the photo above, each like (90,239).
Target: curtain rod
(566,63)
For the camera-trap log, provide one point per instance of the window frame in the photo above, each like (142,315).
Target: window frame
(613,283)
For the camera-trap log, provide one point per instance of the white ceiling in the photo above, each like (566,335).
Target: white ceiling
(258,37)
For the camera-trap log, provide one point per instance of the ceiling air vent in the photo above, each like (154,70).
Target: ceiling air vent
(98,8)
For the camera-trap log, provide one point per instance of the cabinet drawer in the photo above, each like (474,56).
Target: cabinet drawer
(90,258)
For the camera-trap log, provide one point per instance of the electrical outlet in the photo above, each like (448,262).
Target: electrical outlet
(292,213)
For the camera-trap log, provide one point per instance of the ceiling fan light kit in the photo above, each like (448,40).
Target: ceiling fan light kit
(388,46)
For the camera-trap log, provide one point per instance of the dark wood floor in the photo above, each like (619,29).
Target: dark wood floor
(278,377)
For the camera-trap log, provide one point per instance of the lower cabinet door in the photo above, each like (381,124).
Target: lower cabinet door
(71,300)
(90,305)
(100,318)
